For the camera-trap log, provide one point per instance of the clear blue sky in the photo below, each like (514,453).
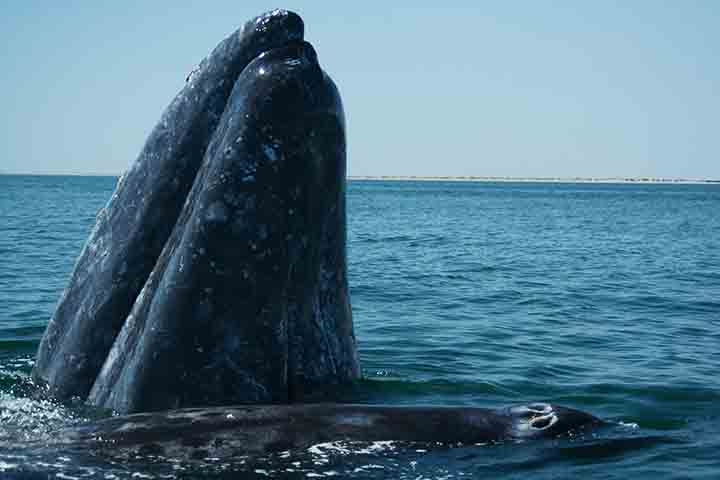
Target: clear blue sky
(536,88)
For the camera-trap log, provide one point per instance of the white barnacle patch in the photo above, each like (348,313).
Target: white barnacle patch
(270,152)
(536,408)
(128,426)
(531,419)
(540,408)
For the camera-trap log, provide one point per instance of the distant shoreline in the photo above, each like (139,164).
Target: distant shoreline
(641,180)
(412,178)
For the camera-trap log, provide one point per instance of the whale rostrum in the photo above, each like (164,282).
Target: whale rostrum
(216,274)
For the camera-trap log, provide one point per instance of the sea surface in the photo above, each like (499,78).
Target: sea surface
(602,297)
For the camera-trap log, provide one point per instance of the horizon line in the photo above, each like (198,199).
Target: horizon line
(447,178)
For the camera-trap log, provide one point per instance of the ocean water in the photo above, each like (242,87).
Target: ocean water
(605,298)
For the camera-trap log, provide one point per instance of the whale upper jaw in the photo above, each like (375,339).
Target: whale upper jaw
(265,123)
(132,229)
(543,420)
(248,301)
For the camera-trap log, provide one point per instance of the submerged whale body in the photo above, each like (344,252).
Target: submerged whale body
(216,275)
(227,432)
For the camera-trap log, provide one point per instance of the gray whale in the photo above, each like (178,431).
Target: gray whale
(227,432)
(216,276)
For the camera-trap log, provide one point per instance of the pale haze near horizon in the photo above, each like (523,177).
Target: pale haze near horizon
(590,89)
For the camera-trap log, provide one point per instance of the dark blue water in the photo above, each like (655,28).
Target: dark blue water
(604,298)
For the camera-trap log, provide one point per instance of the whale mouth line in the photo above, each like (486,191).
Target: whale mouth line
(290,43)
(300,45)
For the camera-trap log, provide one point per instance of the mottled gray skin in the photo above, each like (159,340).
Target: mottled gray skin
(248,301)
(227,432)
(134,227)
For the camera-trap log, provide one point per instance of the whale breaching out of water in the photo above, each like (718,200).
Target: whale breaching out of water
(216,274)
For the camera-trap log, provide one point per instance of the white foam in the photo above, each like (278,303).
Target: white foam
(4,466)
(631,425)
(31,419)
(377,447)
(370,466)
